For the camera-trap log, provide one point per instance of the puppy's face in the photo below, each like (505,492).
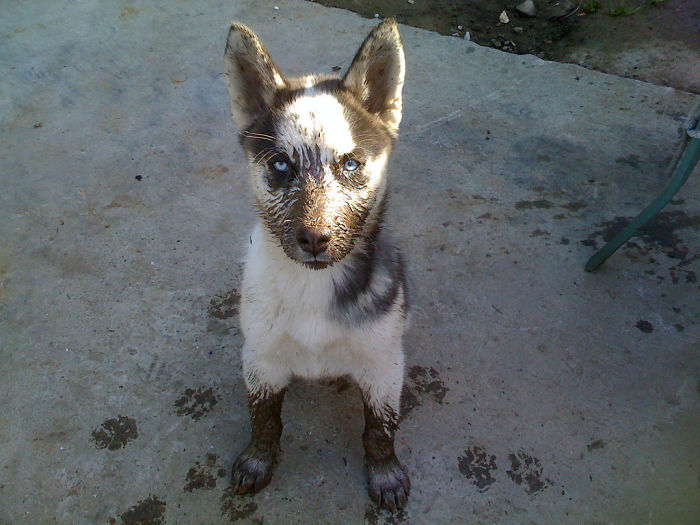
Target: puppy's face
(317,146)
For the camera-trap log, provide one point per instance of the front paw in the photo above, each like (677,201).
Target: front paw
(251,472)
(389,485)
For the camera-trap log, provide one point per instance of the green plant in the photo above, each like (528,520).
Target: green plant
(622,10)
(590,7)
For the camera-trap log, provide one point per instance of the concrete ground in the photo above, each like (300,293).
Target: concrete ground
(536,393)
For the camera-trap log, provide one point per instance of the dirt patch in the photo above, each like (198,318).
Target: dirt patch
(651,40)
(595,445)
(539,204)
(114,434)
(209,172)
(645,326)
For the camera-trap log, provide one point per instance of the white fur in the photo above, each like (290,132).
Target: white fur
(315,120)
(289,330)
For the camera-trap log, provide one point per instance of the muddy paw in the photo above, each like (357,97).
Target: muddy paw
(389,485)
(250,473)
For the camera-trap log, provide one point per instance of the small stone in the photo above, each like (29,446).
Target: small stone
(527,8)
(503,19)
(277,8)
(467,36)
(518,30)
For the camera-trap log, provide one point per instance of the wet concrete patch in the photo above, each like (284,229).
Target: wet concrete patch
(422,382)
(196,403)
(149,511)
(478,465)
(526,470)
(224,305)
(236,508)
(115,433)
(660,233)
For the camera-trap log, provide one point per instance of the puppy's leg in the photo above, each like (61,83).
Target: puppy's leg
(252,470)
(389,485)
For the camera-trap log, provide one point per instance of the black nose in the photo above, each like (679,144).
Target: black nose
(313,241)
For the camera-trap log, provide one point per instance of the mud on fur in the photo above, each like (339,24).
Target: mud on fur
(323,291)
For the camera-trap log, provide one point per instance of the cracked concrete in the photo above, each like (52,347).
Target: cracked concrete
(536,393)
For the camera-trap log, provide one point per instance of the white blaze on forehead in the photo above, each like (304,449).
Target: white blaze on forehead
(316,120)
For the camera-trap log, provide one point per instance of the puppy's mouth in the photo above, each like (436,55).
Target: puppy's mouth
(316,264)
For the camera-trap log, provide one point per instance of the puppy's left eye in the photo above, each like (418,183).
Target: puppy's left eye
(351,165)
(281,166)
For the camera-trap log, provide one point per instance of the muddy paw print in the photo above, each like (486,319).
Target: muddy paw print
(224,305)
(527,470)
(202,476)
(234,508)
(422,381)
(477,465)
(196,403)
(374,516)
(150,511)
(114,434)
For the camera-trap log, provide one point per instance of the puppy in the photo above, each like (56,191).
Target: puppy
(323,291)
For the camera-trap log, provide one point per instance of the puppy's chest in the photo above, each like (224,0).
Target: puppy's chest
(282,302)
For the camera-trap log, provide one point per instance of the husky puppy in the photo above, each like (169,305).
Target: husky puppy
(323,291)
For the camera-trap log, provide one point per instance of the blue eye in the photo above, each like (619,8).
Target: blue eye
(280,166)
(351,165)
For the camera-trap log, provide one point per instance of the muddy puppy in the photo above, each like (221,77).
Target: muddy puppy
(323,291)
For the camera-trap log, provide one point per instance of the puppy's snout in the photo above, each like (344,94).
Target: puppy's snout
(313,241)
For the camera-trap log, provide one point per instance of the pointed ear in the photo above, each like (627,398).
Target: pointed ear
(377,71)
(251,75)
